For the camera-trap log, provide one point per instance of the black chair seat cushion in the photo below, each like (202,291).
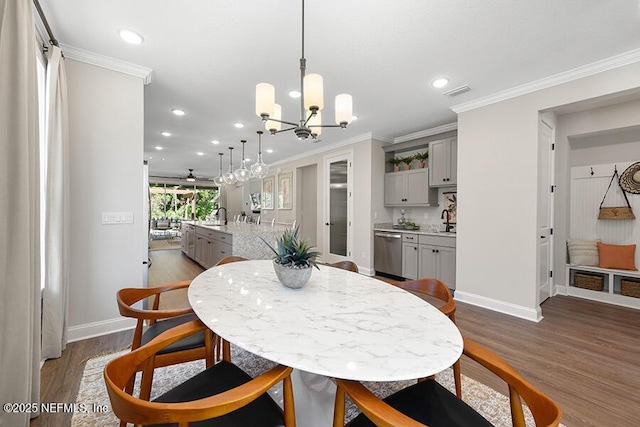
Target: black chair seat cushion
(430,403)
(223,376)
(192,341)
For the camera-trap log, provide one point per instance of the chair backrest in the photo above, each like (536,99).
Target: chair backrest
(119,371)
(227,260)
(346,265)
(545,411)
(434,288)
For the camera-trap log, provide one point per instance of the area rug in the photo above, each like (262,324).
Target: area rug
(492,405)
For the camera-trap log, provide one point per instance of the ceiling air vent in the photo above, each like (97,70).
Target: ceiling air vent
(458,91)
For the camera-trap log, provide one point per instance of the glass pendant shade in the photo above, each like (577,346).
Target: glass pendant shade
(242,174)
(272,126)
(313,93)
(259,169)
(315,122)
(344,109)
(265,99)
(190,177)
(229,177)
(219,180)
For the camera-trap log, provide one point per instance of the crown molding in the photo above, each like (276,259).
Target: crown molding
(107,62)
(616,61)
(324,148)
(427,132)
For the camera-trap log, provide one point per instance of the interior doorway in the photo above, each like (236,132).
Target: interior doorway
(546,193)
(338,210)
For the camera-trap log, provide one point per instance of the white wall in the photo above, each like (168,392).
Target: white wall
(106,120)
(497,191)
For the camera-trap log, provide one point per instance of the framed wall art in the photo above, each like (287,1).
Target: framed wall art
(285,187)
(267,192)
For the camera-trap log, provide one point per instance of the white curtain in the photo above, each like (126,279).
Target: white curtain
(56,231)
(19,212)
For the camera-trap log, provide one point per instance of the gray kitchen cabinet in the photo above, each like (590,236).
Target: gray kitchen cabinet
(443,162)
(410,256)
(188,242)
(409,188)
(437,259)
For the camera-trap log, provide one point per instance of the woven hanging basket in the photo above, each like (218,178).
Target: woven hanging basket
(615,212)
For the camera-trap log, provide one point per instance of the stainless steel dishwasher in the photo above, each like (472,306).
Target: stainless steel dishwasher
(387,252)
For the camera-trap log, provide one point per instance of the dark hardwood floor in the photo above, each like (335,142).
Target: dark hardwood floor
(584,354)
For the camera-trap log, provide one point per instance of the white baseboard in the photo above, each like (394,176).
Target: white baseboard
(366,271)
(95,329)
(534,315)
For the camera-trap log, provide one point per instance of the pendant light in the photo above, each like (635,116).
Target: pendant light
(190,177)
(242,174)
(219,180)
(259,169)
(229,177)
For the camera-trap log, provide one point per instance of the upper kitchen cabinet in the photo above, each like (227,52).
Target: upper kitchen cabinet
(409,188)
(443,162)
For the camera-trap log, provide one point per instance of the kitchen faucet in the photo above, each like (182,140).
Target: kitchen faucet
(225,213)
(448,227)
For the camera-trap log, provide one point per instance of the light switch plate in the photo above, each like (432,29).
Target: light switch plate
(113,218)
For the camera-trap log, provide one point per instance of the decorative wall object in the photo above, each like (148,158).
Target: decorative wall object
(285,187)
(451,204)
(267,192)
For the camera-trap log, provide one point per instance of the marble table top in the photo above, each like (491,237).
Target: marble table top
(340,324)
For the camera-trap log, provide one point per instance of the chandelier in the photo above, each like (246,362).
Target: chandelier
(311,104)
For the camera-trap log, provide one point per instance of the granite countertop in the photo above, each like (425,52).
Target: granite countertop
(427,230)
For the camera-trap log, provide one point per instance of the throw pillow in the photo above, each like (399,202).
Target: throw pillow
(583,252)
(621,257)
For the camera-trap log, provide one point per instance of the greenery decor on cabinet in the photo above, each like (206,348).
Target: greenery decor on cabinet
(395,161)
(421,158)
(293,258)
(407,161)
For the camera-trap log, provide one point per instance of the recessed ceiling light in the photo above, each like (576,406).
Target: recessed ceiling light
(130,36)
(150,158)
(295,94)
(269,151)
(178,112)
(165,133)
(200,153)
(354,118)
(439,83)
(158,147)
(215,142)
(239,125)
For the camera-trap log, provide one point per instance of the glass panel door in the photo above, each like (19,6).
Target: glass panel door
(337,217)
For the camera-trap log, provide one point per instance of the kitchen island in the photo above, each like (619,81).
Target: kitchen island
(208,242)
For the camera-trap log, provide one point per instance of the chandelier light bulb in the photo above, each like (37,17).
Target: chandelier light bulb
(344,109)
(259,169)
(229,177)
(313,93)
(219,180)
(265,99)
(242,174)
(273,126)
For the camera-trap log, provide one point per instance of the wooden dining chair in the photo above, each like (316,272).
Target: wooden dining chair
(346,265)
(427,403)
(222,395)
(233,258)
(436,289)
(195,347)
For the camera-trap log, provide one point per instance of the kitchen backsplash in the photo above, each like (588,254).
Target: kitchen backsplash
(430,218)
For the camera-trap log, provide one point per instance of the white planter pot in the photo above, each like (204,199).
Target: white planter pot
(292,277)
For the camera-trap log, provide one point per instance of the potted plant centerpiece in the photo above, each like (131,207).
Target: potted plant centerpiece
(293,259)
(421,158)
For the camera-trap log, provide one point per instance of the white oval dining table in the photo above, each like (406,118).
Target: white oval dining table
(339,325)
